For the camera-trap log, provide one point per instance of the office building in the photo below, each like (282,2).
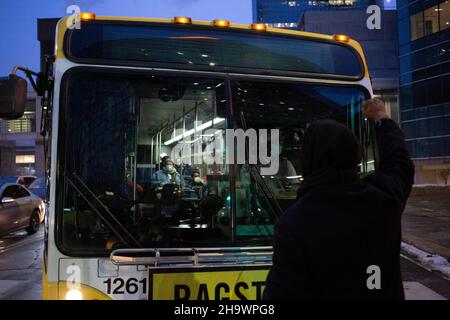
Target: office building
(380,45)
(21,145)
(424,49)
(287,14)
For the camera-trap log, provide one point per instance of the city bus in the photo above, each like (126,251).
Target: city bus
(121,95)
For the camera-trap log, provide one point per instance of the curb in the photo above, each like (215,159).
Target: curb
(425,245)
(430,262)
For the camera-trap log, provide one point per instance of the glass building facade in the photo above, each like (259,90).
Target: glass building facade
(286,14)
(380,46)
(424,50)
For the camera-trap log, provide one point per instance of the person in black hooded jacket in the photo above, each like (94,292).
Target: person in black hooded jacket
(341,239)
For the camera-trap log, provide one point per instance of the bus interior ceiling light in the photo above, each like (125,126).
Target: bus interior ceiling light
(183,20)
(86,16)
(341,38)
(201,127)
(221,23)
(259,26)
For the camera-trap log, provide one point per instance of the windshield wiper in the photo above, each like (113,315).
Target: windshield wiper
(255,173)
(107,216)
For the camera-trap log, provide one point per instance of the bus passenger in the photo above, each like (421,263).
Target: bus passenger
(168,174)
(162,157)
(198,185)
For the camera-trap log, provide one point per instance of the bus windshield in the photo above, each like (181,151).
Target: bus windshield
(133,158)
(214,50)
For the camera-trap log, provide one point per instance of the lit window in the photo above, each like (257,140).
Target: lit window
(29,158)
(283,25)
(431,20)
(444,15)
(417,26)
(26,123)
(390,5)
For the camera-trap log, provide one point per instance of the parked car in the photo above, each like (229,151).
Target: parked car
(19,209)
(39,188)
(23,180)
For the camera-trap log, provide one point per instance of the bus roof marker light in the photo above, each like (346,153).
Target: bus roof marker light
(87,16)
(221,23)
(259,26)
(341,38)
(183,20)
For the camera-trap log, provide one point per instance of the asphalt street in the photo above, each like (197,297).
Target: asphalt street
(21,262)
(20,266)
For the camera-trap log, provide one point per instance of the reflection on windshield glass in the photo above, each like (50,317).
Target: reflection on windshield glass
(290,108)
(133,169)
(124,183)
(213,48)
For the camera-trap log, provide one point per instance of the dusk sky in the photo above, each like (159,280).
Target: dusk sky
(18,20)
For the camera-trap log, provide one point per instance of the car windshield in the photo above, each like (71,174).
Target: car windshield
(27,180)
(38,183)
(4,180)
(144,158)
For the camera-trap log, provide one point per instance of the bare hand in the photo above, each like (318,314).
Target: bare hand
(374,109)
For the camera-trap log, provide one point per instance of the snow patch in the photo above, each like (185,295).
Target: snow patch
(431,185)
(432,262)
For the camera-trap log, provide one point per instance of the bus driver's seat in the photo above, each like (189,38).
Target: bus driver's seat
(170,199)
(148,207)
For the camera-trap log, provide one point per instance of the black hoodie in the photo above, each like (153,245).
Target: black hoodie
(328,243)
(329,148)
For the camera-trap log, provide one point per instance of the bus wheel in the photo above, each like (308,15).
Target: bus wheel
(35,223)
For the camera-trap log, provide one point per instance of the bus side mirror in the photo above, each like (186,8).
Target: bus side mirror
(13,97)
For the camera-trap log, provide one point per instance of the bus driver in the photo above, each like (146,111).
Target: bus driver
(168,174)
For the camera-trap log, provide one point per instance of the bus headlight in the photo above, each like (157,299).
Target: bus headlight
(74,294)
